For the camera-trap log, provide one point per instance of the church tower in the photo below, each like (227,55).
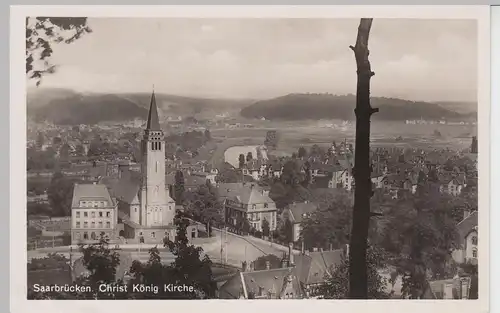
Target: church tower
(157,208)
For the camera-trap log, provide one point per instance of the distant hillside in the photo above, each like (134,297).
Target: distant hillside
(326,106)
(62,106)
(87,109)
(460,107)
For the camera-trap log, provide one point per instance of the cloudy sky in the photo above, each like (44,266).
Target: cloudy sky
(416,59)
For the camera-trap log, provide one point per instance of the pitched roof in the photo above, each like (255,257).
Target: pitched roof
(91,192)
(125,189)
(313,267)
(270,281)
(153,120)
(247,193)
(467,224)
(299,211)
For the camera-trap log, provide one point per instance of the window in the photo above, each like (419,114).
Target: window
(266,205)
(78,224)
(474,240)
(100,214)
(92,225)
(100,224)
(153,235)
(85,224)
(92,214)
(140,233)
(108,214)
(77,235)
(159,146)
(92,236)
(474,253)
(108,225)
(85,235)
(78,214)
(85,214)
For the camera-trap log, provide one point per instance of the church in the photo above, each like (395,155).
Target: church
(145,209)
(130,204)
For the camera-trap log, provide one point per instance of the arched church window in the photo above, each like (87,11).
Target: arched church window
(474,253)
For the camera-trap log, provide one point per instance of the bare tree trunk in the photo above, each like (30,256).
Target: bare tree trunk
(358,279)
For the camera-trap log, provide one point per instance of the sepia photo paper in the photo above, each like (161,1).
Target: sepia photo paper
(335,154)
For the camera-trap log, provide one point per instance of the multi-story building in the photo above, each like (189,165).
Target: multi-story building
(93,212)
(250,201)
(296,213)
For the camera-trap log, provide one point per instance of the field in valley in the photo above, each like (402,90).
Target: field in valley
(294,135)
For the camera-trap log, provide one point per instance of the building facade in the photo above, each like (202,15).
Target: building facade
(93,213)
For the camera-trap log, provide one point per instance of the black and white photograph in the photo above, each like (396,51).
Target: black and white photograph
(254,157)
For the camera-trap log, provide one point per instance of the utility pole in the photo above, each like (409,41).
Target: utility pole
(358,278)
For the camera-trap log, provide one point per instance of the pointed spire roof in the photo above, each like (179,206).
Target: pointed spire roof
(153,120)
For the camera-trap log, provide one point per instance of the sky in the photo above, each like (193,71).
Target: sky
(414,59)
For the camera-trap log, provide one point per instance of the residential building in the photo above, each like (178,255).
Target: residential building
(314,268)
(468,234)
(278,283)
(250,201)
(93,212)
(296,213)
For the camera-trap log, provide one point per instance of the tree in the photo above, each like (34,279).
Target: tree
(249,156)
(419,235)
(337,284)
(60,194)
(79,150)
(189,268)
(260,262)
(41,34)
(302,152)
(241,160)
(101,262)
(330,223)
(64,152)
(205,207)
(179,188)
(358,279)
(473,148)
(316,151)
(228,174)
(208,136)
(265,228)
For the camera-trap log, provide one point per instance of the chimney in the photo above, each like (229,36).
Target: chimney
(261,291)
(268,265)
(290,254)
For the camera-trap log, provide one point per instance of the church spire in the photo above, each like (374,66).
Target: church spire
(153,120)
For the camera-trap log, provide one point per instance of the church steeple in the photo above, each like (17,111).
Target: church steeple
(153,120)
